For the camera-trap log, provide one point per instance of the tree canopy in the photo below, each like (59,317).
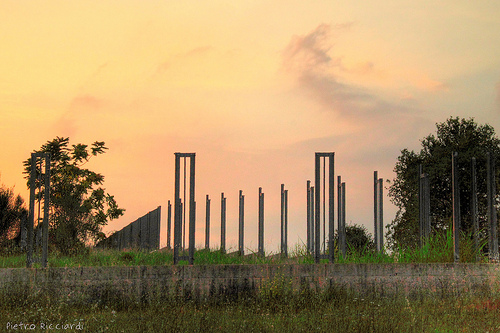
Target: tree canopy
(357,239)
(12,212)
(468,139)
(79,206)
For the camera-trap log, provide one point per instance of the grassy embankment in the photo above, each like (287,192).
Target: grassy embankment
(439,249)
(276,308)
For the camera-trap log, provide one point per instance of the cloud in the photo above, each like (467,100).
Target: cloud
(424,82)
(87,102)
(309,58)
(363,68)
(307,53)
(196,51)
(334,94)
(363,127)
(192,53)
(319,71)
(79,107)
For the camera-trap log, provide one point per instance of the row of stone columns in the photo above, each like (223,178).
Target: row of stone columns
(320,240)
(425,211)
(284,223)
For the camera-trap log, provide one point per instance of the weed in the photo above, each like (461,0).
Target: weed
(277,308)
(438,249)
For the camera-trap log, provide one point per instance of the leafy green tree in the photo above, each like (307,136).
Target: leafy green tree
(12,212)
(79,206)
(467,138)
(357,239)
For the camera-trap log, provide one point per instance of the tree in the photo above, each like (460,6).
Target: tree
(467,138)
(12,212)
(357,239)
(79,207)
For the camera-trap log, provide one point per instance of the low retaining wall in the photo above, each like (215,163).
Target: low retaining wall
(146,283)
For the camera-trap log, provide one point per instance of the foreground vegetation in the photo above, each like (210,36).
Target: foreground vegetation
(274,309)
(439,249)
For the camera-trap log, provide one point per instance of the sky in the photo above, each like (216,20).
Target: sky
(254,88)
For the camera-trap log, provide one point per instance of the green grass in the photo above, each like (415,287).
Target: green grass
(275,309)
(94,258)
(439,249)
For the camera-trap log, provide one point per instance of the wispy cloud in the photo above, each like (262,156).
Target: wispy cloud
(320,70)
(378,124)
(363,68)
(87,102)
(310,58)
(192,53)
(79,108)
(425,83)
(196,51)
(307,53)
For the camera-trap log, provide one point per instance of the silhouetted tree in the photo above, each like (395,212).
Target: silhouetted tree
(79,207)
(357,239)
(467,138)
(12,211)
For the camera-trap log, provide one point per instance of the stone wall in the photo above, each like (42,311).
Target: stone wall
(149,283)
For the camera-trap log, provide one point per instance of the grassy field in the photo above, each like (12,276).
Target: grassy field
(273,310)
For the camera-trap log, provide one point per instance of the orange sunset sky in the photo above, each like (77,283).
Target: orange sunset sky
(253,87)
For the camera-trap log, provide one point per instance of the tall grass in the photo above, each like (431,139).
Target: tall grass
(438,249)
(276,308)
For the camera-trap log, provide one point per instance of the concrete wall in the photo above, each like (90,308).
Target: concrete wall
(146,283)
(143,233)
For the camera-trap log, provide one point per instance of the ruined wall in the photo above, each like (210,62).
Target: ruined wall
(143,233)
(147,283)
